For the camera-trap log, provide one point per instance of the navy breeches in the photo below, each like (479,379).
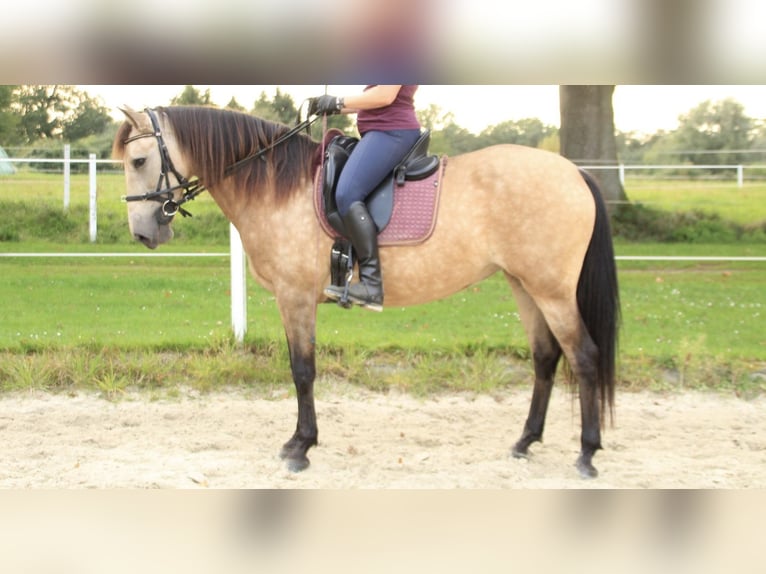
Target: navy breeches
(373,158)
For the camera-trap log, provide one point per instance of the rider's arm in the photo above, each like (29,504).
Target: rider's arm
(375,97)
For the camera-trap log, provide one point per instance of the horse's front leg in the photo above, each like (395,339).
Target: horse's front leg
(299,327)
(305,436)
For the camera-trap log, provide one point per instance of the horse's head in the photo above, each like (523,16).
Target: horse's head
(153,167)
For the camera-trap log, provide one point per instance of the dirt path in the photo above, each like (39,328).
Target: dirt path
(367,440)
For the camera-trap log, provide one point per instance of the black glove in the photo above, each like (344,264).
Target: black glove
(325,105)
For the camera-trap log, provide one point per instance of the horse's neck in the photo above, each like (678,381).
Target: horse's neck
(244,208)
(229,201)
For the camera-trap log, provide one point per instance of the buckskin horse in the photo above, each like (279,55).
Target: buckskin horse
(527,213)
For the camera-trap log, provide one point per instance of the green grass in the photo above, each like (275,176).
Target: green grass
(716,310)
(704,325)
(746,205)
(182,303)
(33,213)
(115,302)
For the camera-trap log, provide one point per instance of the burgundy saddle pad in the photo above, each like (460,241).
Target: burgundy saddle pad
(414,213)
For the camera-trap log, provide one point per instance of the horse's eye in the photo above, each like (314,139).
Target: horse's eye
(138,162)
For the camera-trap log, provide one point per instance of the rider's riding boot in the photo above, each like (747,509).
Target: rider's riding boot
(363,233)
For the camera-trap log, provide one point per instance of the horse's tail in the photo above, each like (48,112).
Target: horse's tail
(598,297)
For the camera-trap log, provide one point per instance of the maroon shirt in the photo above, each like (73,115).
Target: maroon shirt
(399,115)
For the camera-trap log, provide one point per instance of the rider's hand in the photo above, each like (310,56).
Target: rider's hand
(325,105)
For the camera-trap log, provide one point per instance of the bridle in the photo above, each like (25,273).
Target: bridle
(192,188)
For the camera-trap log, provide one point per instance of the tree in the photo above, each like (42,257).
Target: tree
(282,109)
(191,96)
(528,132)
(90,118)
(262,108)
(8,119)
(587,134)
(38,108)
(712,128)
(434,118)
(235,105)
(551,142)
(455,140)
(284,106)
(631,147)
(759,135)
(56,111)
(447,137)
(343,122)
(279,109)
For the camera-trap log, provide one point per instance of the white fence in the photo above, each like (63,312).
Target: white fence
(92,162)
(92,182)
(238,274)
(622,168)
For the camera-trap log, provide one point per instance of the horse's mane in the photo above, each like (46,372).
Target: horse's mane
(216,139)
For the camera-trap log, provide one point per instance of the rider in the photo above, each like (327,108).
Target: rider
(388,128)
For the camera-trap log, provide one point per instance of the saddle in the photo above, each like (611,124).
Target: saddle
(416,165)
(403,206)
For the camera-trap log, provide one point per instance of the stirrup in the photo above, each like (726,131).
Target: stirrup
(339,295)
(334,291)
(346,300)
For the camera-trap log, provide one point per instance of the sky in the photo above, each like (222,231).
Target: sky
(643,109)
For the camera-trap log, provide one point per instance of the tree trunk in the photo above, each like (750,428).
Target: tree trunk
(587,136)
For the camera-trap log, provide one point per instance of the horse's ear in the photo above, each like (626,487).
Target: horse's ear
(131,115)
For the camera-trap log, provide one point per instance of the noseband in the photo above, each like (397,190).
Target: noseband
(192,188)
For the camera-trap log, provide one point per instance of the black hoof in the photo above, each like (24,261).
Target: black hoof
(298,464)
(294,454)
(586,469)
(520,452)
(521,448)
(296,461)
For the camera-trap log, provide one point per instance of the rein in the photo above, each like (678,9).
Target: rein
(191,188)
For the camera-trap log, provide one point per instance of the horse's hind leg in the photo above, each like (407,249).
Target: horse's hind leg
(546,353)
(586,372)
(582,355)
(545,357)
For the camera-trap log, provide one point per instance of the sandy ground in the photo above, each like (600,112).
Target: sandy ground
(375,441)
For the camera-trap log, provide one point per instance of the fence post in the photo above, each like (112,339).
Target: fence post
(67,175)
(740,176)
(622,174)
(92,195)
(238,285)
